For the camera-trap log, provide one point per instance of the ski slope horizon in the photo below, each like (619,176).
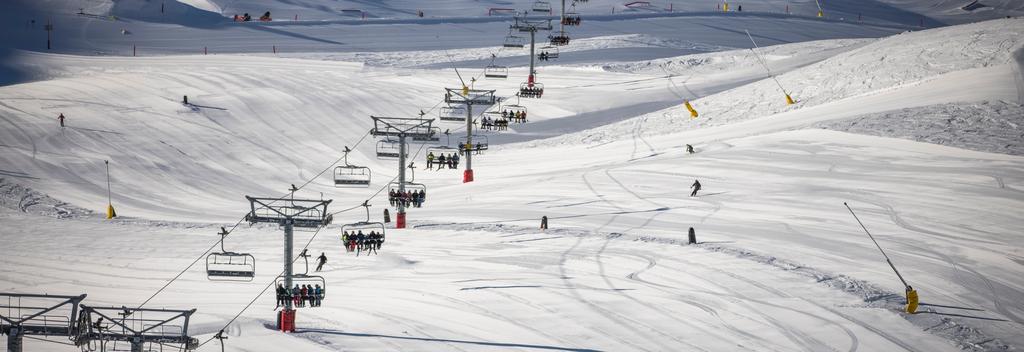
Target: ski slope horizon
(919,132)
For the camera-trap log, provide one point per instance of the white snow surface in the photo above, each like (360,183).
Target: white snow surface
(782,266)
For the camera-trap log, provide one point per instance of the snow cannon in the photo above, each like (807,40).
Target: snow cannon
(693,112)
(789,100)
(912,300)
(110,211)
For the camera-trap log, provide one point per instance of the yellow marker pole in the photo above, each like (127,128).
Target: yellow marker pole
(110,206)
(789,100)
(725,7)
(912,298)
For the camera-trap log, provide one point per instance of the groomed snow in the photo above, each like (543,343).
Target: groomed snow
(782,265)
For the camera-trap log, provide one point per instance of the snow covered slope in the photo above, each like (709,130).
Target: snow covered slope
(782,265)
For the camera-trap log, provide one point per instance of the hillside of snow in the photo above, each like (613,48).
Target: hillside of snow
(918,131)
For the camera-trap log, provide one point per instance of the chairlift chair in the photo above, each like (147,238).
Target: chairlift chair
(550,50)
(435,135)
(303,280)
(389,149)
(513,109)
(452,113)
(349,175)
(496,71)
(571,18)
(559,38)
(514,41)
(366,227)
(480,143)
(527,90)
(229,266)
(541,6)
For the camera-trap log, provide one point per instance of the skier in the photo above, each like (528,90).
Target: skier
(455,161)
(319,291)
(322,259)
(61,120)
(387,216)
(430,160)
(689,149)
(544,222)
(441,162)
(696,187)
(280,295)
(184,100)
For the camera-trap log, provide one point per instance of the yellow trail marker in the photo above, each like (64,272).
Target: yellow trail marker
(693,112)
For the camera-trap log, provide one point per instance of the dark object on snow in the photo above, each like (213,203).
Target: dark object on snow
(387,217)
(544,222)
(184,99)
(696,187)
(692,237)
(61,119)
(689,149)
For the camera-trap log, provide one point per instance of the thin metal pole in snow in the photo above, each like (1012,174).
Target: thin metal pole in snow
(764,62)
(107,164)
(876,245)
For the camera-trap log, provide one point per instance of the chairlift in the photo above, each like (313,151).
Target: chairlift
(409,187)
(496,71)
(479,144)
(559,38)
(541,6)
(452,113)
(514,111)
(548,52)
(528,90)
(437,152)
(229,266)
(389,149)
(366,228)
(571,18)
(434,136)
(349,175)
(304,280)
(514,41)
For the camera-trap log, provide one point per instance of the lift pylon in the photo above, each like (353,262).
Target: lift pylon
(524,24)
(401,128)
(470,97)
(289,213)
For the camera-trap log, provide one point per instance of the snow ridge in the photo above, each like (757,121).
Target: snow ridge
(26,200)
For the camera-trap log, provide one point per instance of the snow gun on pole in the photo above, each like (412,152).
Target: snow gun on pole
(912,298)
(789,99)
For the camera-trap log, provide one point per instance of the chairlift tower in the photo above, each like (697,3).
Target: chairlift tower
(470,97)
(401,128)
(523,24)
(288,213)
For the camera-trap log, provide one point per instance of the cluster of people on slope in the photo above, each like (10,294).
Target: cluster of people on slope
(468,147)
(407,198)
(451,161)
(531,92)
(488,123)
(300,295)
(363,242)
(246,18)
(572,20)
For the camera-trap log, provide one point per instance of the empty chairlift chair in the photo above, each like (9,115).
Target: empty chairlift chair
(229,266)
(389,149)
(495,71)
(349,175)
(434,135)
(452,113)
(542,6)
(514,41)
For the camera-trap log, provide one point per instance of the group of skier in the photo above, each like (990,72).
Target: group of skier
(407,198)
(363,242)
(494,124)
(451,161)
(246,18)
(572,20)
(544,56)
(469,147)
(531,92)
(514,116)
(300,295)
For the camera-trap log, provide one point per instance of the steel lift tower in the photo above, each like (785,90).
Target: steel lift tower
(523,24)
(402,128)
(470,97)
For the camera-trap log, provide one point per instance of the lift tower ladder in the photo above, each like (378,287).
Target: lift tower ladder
(470,97)
(289,213)
(401,127)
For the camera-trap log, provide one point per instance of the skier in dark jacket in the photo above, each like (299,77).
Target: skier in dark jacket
(689,149)
(696,187)
(322,259)
(61,120)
